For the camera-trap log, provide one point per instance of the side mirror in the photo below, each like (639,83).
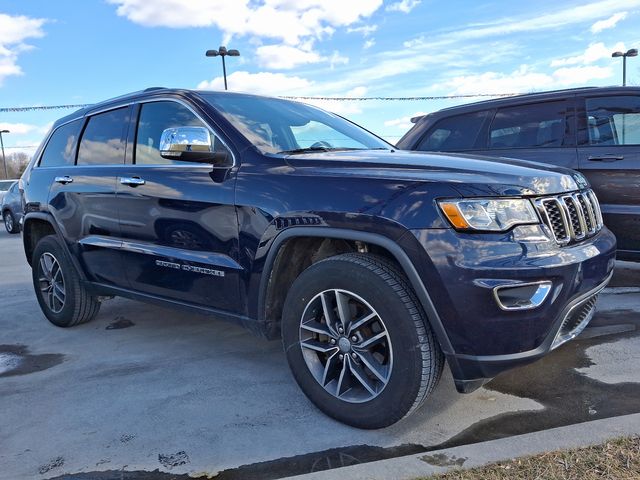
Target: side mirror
(190,144)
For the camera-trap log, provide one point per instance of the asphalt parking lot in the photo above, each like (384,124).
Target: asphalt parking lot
(144,388)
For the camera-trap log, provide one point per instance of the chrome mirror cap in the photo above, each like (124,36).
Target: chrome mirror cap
(177,140)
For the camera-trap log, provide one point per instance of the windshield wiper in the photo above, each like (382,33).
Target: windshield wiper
(322,149)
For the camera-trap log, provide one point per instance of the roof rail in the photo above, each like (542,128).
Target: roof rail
(151,89)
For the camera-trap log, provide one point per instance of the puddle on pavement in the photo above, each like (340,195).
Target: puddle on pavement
(123,475)
(119,323)
(16,360)
(317,462)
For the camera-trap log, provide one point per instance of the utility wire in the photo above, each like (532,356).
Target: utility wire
(339,99)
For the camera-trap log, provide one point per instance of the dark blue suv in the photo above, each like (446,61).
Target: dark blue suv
(372,265)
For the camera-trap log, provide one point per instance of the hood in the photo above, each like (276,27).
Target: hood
(471,175)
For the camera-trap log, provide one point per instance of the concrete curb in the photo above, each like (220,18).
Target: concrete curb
(474,455)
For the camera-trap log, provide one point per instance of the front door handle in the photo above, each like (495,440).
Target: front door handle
(63,180)
(605,158)
(132,181)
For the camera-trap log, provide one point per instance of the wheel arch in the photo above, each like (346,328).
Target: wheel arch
(37,225)
(278,250)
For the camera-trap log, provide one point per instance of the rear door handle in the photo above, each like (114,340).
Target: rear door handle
(64,180)
(606,158)
(132,181)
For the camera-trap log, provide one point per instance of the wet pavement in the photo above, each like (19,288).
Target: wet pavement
(145,392)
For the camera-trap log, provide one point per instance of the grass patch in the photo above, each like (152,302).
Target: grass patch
(617,459)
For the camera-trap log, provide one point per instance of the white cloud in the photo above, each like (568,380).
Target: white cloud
(365,30)
(14,31)
(403,123)
(610,22)
(287,20)
(404,6)
(525,80)
(593,53)
(567,76)
(18,128)
(369,43)
(337,59)
(282,57)
(263,83)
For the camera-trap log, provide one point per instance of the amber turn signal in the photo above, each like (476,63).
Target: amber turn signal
(453,214)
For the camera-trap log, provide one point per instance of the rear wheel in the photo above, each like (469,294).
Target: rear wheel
(357,341)
(10,222)
(64,300)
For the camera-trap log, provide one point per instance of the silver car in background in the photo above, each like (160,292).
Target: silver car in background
(10,205)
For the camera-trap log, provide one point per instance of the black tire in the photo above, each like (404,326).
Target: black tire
(10,223)
(417,360)
(78,305)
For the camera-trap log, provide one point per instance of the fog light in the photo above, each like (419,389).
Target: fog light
(522,296)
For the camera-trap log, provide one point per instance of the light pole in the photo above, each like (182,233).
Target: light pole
(632,52)
(223,52)
(4,159)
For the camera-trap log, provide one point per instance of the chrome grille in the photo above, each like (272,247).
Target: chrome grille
(571,217)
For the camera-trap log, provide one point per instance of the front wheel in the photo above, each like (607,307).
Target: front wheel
(357,341)
(10,223)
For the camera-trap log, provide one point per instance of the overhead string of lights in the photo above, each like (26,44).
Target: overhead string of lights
(288,97)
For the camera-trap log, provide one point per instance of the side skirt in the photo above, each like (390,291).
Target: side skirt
(250,324)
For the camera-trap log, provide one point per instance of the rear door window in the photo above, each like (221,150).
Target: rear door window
(454,134)
(61,148)
(613,120)
(103,142)
(541,125)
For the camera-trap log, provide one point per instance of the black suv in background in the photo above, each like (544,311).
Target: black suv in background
(593,130)
(373,265)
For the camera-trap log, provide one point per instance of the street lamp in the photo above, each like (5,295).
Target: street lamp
(223,52)
(632,52)
(4,159)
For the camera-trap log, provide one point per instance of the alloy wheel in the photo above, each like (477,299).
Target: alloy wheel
(8,222)
(51,281)
(346,346)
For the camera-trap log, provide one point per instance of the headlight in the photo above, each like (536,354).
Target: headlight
(486,214)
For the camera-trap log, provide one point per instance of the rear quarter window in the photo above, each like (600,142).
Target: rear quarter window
(61,147)
(452,134)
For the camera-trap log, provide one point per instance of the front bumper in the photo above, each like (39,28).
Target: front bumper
(477,370)
(484,338)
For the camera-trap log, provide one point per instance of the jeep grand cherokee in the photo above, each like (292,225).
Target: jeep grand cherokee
(372,265)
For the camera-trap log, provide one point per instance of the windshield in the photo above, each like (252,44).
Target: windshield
(281,126)
(6,185)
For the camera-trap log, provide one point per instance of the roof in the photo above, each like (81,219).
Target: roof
(534,97)
(140,94)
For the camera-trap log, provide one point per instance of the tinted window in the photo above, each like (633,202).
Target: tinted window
(527,126)
(454,133)
(61,148)
(5,185)
(102,142)
(613,120)
(154,118)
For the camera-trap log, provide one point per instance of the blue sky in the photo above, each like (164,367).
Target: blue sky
(71,51)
